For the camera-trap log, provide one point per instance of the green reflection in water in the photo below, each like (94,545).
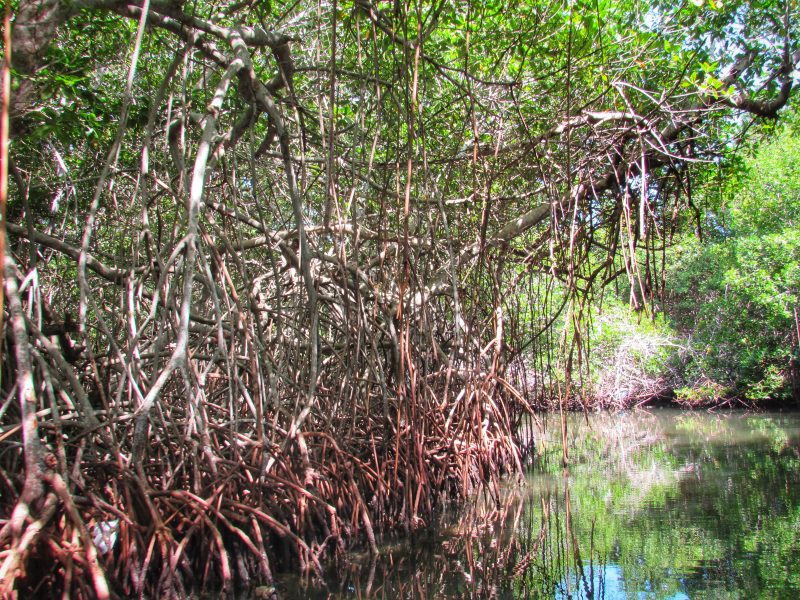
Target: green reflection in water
(660,504)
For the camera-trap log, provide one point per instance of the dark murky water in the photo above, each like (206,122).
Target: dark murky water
(661,504)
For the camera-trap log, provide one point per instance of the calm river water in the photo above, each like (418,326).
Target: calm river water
(655,504)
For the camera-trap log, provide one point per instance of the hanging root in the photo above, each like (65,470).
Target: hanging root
(221,499)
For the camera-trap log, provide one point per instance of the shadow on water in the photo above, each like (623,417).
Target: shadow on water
(659,504)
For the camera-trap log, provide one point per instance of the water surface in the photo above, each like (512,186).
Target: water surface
(661,504)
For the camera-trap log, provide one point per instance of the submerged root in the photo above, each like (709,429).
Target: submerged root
(227,510)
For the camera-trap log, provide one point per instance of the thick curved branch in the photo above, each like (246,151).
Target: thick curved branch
(112,274)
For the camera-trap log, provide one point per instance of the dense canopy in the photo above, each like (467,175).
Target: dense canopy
(281,274)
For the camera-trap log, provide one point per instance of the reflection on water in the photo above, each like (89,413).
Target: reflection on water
(659,504)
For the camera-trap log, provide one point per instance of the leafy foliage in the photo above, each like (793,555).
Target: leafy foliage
(312,254)
(736,298)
